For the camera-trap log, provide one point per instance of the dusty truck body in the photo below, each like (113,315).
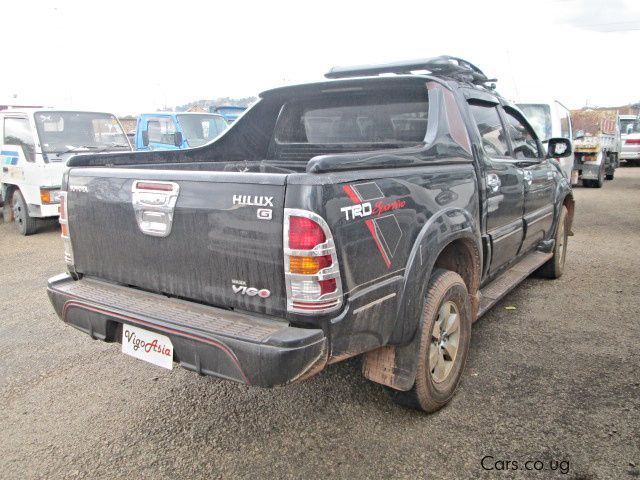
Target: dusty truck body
(352,216)
(597,145)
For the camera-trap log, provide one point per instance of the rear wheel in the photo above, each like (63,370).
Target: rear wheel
(444,343)
(554,267)
(26,224)
(600,181)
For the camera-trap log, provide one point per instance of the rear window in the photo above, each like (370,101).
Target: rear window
(384,118)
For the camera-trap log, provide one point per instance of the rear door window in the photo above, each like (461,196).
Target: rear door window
(17,131)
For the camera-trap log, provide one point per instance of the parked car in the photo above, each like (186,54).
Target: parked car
(229,112)
(630,136)
(173,131)
(36,143)
(550,119)
(597,145)
(369,214)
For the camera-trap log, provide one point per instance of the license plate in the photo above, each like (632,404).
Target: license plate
(148,346)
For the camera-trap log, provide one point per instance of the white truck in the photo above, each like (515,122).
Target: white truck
(36,144)
(550,118)
(596,146)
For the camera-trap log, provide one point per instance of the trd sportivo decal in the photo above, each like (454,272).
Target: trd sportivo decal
(384,229)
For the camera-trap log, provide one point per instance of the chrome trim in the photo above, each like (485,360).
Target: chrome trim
(374,303)
(332,272)
(154,208)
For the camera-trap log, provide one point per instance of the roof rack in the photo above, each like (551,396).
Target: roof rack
(445,66)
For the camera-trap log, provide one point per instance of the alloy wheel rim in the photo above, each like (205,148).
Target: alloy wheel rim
(445,339)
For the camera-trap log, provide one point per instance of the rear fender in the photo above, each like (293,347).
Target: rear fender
(395,366)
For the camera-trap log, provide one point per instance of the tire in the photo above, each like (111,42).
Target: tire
(440,366)
(600,181)
(25,224)
(609,176)
(554,267)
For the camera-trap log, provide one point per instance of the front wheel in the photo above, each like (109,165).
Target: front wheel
(26,224)
(554,267)
(444,343)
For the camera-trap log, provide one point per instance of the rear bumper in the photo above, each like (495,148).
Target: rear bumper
(589,171)
(629,155)
(208,340)
(43,211)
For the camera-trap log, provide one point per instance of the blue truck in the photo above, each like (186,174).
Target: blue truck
(177,131)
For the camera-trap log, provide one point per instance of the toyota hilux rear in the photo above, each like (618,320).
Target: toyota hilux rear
(287,243)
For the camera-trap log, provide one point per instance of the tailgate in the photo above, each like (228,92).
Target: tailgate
(224,247)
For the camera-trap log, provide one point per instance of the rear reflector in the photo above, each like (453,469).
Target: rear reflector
(327,286)
(632,141)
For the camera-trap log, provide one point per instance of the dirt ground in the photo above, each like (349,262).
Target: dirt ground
(555,380)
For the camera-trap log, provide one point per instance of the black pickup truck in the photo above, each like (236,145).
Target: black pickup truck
(379,212)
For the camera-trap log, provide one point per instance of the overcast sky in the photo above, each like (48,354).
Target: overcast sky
(132,56)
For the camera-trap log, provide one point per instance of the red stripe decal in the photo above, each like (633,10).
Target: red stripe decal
(356,199)
(374,234)
(351,193)
(221,346)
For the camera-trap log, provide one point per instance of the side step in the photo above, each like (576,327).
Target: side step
(498,288)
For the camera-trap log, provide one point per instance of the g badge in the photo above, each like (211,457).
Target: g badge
(265,214)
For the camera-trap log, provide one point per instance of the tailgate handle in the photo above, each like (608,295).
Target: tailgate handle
(153,204)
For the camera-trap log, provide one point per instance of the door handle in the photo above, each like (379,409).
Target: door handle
(153,205)
(493,183)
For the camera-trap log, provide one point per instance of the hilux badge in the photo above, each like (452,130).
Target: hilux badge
(253,200)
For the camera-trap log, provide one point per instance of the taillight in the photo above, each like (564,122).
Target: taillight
(632,141)
(312,273)
(64,231)
(304,233)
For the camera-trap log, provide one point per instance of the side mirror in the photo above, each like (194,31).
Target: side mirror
(145,138)
(559,147)
(177,139)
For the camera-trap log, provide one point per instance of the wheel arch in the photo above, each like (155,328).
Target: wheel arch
(451,241)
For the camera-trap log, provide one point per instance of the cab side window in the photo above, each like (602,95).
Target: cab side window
(492,134)
(18,132)
(161,130)
(523,140)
